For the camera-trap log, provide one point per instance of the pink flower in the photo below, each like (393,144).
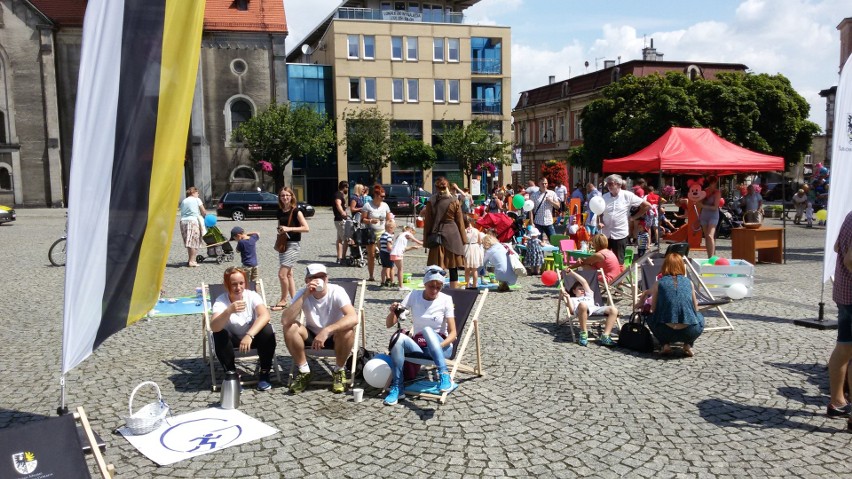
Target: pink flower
(265,165)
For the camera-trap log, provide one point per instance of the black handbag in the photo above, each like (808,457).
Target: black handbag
(635,335)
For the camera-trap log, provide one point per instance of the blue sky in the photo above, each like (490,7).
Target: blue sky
(797,38)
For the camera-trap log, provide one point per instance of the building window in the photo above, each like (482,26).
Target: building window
(454,90)
(413,90)
(239,66)
(396,48)
(440,97)
(353,46)
(369,47)
(453,50)
(238,110)
(541,131)
(369,89)
(549,131)
(414,7)
(354,89)
(562,128)
(5,178)
(386,6)
(411,49)
(397,89)
(438,49)
(399,6)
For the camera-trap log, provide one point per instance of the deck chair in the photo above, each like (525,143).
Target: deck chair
(356,290)
(591,277)
(565,246)
(464,301)
(651,269)
(55,447)
(555,240)
(209,294)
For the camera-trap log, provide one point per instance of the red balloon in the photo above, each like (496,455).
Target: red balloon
(721,202)
(722,262)
(549,278)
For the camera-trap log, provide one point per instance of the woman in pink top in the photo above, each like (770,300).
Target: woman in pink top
(603,258)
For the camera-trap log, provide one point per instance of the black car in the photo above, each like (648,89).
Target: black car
(401,197)
(239,205)
(773,191)
(7,214)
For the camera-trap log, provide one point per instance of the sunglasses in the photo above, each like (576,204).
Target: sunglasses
(436,271)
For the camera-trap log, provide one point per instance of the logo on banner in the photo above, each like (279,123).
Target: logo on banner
(25,462)
(849,127)
(203,434)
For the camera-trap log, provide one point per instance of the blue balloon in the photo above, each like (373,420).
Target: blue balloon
(210,220)
(384,357)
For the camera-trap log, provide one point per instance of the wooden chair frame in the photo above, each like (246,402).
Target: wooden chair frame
(208,346)
(571,315)
(360,331)
(471,329)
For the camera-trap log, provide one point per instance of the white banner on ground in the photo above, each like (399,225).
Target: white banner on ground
(197,433)
(840,195)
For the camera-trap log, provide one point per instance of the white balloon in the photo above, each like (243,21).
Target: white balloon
(529,205)
(737,291)
(573,229)
(377,373)
(597,205)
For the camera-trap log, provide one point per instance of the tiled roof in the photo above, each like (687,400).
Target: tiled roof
(219,15)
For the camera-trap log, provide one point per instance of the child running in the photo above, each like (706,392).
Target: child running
(248,252)
(400,246)
(385,244)
(472,254)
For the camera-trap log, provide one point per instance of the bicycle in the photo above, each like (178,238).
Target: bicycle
(57,252)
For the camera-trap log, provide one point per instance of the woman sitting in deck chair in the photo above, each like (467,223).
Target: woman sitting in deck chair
(582,300)
(433,330)
(674,307)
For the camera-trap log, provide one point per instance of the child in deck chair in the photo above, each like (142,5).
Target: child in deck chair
(582,299)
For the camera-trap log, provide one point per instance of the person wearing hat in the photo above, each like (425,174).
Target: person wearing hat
(432,334)
(246,247)
(534,257)
(330,322)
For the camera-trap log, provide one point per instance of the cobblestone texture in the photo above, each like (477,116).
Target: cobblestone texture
(749,404)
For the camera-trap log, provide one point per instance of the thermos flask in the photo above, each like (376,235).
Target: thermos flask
(230,391)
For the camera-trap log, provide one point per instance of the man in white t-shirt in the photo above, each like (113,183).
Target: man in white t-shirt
(330,322)
(615,220)
(545,202)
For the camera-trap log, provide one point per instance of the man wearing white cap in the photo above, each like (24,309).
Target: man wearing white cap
(330,322)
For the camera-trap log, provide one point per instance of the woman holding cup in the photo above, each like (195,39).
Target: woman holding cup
(241,320)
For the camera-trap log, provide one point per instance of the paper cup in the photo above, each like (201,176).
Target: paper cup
(357,394)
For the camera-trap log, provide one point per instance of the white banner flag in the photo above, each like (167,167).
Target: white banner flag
(840,195)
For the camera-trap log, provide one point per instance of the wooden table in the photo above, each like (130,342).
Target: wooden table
(765,244)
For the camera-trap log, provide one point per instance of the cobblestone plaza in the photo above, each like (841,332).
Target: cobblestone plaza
(751,403)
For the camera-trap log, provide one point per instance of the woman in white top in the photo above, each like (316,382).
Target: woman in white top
(192,213)
(433,331)
(240,319)
(375,214)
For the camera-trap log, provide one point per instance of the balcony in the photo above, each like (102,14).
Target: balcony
(486,107)
(375,14)
(486,66)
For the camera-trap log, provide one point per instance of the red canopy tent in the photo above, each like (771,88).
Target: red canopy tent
(694,151)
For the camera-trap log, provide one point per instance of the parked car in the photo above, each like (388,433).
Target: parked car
(401,197)
(773,191)
(239,205)
(7,214)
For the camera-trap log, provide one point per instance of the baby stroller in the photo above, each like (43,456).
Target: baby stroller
(217,246)
(505,226)
(357,238)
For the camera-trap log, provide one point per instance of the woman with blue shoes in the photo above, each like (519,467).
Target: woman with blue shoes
(433,331)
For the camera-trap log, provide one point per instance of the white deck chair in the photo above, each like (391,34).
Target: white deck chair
(591,277)
(209,294)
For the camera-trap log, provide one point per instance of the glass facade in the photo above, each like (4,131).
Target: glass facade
(485,56)
(486,98)
(311,85)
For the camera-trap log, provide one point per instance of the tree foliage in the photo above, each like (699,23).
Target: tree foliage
(473,145)
(410,153)
(282,133)
(368,140)
(759,112)
(555,170)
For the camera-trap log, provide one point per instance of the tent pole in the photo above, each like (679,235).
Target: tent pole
(783,212)
(63,408)
(660,211)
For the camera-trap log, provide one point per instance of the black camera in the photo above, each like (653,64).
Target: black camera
(401,313)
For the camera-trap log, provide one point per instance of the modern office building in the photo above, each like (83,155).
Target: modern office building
(547,118)
(419,63)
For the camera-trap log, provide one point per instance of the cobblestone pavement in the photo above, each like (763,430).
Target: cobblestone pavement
(750,403)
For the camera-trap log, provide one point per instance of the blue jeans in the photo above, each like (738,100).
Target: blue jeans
(667,335)
(406,346)
(548,230)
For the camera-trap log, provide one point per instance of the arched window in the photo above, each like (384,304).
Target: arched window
(243,173)
(693,72)
(566,89)
(5,177)
(616,75)
(238,110)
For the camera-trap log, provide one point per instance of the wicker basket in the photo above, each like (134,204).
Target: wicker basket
(149,417)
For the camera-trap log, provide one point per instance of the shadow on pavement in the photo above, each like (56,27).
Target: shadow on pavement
(726,413)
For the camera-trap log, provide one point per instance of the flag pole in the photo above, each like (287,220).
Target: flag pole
(63,408)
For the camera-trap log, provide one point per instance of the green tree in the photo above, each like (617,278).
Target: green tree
(410,153)
(759,112)
(472,145)
(368,139)
(283,132)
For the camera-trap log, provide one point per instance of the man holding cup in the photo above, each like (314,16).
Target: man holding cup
(330,322)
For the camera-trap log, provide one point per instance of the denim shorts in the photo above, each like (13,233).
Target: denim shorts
(844,323)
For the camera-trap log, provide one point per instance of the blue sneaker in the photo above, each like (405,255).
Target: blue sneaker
(584,339)
(445,383)
(263,383)
(393,396)
(606,340)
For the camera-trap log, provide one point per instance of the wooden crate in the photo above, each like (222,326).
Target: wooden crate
(718,278)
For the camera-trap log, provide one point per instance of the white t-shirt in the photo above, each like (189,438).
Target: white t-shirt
(615,216)
(239,323)
(561,192)
(400,243)
(588,298)
(319,313)
(380,213)
(431,314)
